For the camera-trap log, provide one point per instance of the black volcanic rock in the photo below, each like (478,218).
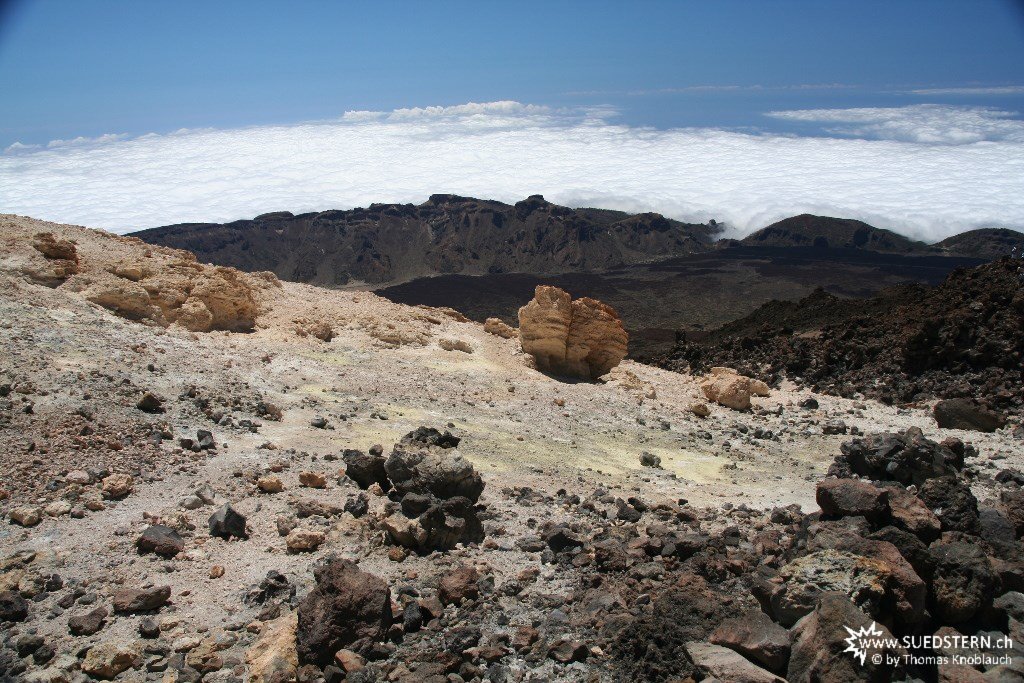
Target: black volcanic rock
(445,234)
(807,230)
(961,339)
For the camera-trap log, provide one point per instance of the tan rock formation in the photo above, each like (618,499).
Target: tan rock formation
(727,387)
(196,297)
(581,338)
(318,329)
(455,345)
(273,657)
(59,259)
(497,327)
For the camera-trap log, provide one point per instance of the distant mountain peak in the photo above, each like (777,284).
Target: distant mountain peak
(808,230)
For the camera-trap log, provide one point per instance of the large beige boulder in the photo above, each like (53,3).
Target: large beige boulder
(727,387)
(581,338)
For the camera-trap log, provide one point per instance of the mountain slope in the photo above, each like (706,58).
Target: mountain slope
(807,230)
(445,234)
(959,339)
(987,243)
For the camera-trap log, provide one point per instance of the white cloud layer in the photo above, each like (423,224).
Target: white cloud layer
(924,123)
(929,171)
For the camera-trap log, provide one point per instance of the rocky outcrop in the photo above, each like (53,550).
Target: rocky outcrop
(196,297)
(348,608)
(960,339)
(727,387)
(60,259)
(582,338)
(438,490)
(907,458)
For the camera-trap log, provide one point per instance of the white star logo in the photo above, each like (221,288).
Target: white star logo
(856,642)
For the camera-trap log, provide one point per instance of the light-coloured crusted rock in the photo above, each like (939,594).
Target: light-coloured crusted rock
(180,291)
(727,387)
(318,329)
(498,328)
(581,338)
(273,657)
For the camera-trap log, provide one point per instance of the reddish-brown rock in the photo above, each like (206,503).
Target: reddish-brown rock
(347,605)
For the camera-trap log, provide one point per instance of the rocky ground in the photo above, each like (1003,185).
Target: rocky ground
(961,339)
(218,476)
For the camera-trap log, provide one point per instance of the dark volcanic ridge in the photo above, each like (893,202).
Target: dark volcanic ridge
(446,234)
(963,338)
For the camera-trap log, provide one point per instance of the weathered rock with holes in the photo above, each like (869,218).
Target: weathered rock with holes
(117,486)
(964,582)
(273,658)
(108,659)
(498,328)
(26,515)
(879,585)
(304,540)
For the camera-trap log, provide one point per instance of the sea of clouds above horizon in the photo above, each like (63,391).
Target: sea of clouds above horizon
(928,171)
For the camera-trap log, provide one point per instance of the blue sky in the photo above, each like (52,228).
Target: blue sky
(71,68)
(128,115)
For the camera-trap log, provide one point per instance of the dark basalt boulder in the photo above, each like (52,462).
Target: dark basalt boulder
(161,540)
(820,651)
(964,582)
(13,607)
(962,413)
(907,458)
(433,471)
(348,608)
(437,490)
(953,503)
(135,600)
(227,522)
(366,469)
(852,497)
